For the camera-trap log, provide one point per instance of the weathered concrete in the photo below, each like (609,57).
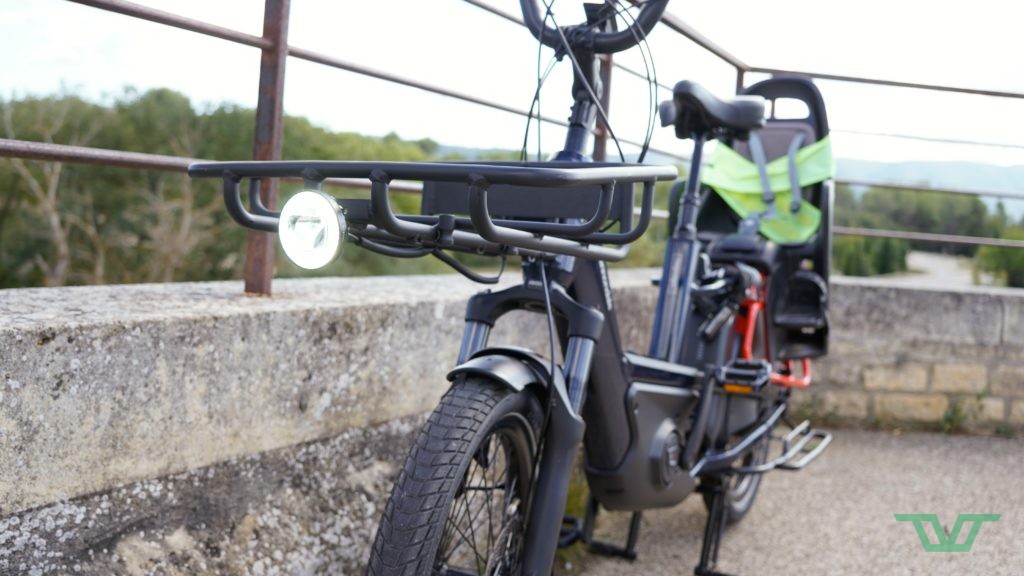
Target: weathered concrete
(304,509)
(115,384)
(187,428)
(145,381)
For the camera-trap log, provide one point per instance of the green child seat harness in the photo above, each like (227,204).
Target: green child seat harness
(754,188)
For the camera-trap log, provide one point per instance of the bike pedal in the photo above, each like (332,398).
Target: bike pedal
(745,376)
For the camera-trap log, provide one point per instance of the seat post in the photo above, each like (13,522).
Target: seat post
(689,202)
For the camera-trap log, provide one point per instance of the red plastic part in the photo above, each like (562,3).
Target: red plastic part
(790,380)
(746,326)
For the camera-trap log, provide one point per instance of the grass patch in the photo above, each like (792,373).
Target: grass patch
(954,420)
(569,560)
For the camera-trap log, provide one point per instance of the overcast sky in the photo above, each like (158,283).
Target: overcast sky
(48,44)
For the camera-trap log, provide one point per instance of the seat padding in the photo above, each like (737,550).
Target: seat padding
(776,137)
(700,111)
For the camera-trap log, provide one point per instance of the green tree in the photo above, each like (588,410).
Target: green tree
(75,224)
(1007,263)
(875,208)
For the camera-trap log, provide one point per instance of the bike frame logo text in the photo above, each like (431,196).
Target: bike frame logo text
(947,543)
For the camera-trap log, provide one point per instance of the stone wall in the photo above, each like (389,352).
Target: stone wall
(900,356)
(189,429)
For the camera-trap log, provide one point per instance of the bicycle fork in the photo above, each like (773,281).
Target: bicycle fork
(561,441)
(565,393)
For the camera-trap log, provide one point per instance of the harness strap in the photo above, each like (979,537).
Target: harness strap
(757,154)
(794,177)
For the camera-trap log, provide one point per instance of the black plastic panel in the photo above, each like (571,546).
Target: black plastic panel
(508,201)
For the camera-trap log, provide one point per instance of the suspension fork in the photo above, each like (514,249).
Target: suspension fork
(565,395)
(561,440)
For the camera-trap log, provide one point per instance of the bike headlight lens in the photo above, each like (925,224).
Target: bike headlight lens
(312,229)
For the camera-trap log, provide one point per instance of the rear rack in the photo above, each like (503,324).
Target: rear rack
(596,196)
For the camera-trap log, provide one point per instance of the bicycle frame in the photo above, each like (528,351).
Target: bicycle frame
(618,462)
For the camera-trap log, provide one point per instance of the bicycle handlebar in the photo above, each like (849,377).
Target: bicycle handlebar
(603,42)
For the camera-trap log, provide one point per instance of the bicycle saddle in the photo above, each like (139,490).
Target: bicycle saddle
(698,111)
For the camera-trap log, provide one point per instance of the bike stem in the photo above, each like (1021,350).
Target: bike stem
(584,109)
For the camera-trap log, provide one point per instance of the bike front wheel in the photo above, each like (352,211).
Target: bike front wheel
(459,505)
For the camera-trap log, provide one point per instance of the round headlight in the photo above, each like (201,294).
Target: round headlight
(312,228)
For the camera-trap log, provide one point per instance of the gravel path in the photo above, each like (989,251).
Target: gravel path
(932,270)
(836,516)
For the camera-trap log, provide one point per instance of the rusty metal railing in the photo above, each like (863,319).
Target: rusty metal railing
(275,49)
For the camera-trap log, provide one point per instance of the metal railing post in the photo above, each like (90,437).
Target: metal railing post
(601,132)
(267,139)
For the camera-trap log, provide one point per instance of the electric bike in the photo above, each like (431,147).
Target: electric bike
(484,488)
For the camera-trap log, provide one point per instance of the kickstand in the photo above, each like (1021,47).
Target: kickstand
(713,530)
(603,548)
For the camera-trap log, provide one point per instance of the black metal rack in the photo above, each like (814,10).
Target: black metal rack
(524,209)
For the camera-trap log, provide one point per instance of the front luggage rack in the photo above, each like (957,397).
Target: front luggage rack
(547,209)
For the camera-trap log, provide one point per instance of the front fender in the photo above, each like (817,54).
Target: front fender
(503,365)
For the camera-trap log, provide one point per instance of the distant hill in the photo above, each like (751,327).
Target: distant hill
(964,176)
(967,176)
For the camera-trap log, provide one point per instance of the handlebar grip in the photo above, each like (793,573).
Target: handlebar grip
(604,42)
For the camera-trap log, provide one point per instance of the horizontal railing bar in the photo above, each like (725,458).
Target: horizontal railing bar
(389,77)
(169,19)
(674,23)
(893,83)
(138,160)
(928,138)
(928,237)
(928,188)
(335,62)
(98,156)
(657,213)
(497,12)
(643,77)
(661,151)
